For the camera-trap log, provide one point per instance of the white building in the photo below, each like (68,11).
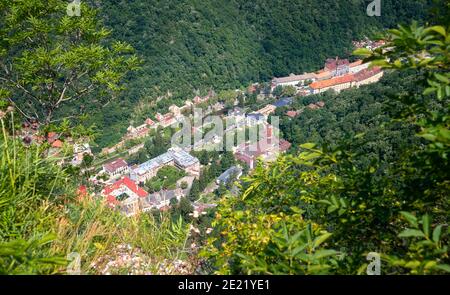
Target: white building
(79,151)
(116,168)
(173,157)
(293,80)
(358,66)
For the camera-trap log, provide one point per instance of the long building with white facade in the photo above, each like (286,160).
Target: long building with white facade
(175,157)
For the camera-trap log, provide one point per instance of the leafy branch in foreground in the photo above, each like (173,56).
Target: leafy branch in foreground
(362,207)
(49,60)
(427,247)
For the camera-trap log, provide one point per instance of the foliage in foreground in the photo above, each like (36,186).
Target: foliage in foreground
(43,221)
(399,209)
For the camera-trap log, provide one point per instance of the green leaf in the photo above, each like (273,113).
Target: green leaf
(381,63)
(410,218)
(442,78)
(439,29)
(332,208)
(437,233)
(324,253)
(426,224)
(362,52)
(412,264)
(411,233)
(298,250)
(311,156)
(430,264)
(429,137)
(319,240)
(444,267)
(308,146)
(429,91)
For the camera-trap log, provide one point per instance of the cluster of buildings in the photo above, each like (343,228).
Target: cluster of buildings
(162,120)
(337,74)
(81,148)
(369,44)
(131,199)
(124,190)
(267,148)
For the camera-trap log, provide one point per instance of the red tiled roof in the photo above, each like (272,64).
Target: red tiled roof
(143,131)
(57,144)
(82,192)
(332,64)
(332,82)
(292,114)
(51,137)
(113,166)
(322,75)
(284,145)
(320,104)
(111,200)
(356,63)
(149,122)
(164,118)
(244,158)
(367,73)
(251,152)
(125,181)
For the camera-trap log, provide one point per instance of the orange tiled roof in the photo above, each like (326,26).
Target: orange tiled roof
(57,144)
(356,63)
(292,114)
(366,74)
(332,82)
(322,74)
(129,184)
(82,192)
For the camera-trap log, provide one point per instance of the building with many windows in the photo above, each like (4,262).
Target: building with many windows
(175,157)
(124,194)
(116,168)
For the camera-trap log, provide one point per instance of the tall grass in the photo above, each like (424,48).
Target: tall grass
(30,191)
(41,220)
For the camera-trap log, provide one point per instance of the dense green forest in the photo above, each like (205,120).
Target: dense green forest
(363,113)
(369,172)
(191,45)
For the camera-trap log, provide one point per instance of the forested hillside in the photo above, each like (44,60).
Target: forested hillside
(193,45)
(345,118)
(196,44)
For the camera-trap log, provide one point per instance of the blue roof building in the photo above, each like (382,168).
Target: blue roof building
(225,177)
(283,102)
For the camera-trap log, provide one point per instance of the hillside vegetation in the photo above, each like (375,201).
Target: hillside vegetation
(190,45)
(368,172)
